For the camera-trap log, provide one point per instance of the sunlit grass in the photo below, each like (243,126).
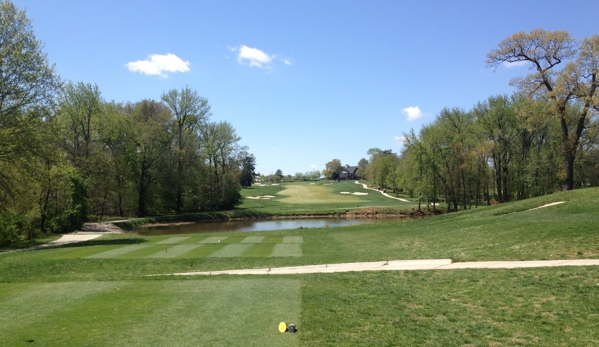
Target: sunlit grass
(60,297)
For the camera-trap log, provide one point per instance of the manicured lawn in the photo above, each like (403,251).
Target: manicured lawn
(97,293)
(207,312)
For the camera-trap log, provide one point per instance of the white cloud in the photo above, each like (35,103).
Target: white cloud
(413,113)
(313,166)
(401,140)
(287,62)
(254,57)
(515,64)
(158,64)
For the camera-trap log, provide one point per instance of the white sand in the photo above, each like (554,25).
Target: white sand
(262,197)
(551,204)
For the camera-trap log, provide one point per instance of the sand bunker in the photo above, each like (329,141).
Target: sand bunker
(354,193)
(551,204)
(264,197)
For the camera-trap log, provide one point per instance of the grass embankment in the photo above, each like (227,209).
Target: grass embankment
(51,295)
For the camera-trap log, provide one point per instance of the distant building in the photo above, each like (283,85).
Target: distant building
(348,173)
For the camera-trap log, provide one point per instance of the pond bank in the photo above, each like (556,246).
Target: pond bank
(211,217)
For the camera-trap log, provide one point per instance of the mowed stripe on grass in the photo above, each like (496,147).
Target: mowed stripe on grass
(253,239)
(232,250)
(287,250)
(174,251)
(172,240)
(221,312)
(118,251)
(192,247)
(293,239)
(213,239)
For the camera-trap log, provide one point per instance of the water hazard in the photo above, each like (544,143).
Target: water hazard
(251,225)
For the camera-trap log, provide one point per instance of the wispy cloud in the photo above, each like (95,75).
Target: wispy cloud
(313,166)
(401,140)
(515,64)
(413,113)
(158,64)
(258,58)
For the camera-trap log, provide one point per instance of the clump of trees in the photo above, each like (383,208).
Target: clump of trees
(333,169)
(307,176)
(68,156)
(570,93)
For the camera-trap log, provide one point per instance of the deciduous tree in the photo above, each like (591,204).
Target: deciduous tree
(544,51)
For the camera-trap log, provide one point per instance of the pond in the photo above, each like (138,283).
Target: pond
(252,225)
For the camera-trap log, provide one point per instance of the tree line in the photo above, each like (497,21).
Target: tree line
(505,148)
(68,156)
(543,138)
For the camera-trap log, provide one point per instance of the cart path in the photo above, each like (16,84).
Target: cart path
(395,265)
(385,194)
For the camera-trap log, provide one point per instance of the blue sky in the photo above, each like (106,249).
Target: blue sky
(302,82)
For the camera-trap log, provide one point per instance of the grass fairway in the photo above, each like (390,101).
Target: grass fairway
(309,194)
(318,198)
(97,293)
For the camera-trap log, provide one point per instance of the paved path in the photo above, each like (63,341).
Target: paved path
(380,191)
(395,265)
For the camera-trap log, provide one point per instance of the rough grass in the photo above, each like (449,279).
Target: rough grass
(526,307)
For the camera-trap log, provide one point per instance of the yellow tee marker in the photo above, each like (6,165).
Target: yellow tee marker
(282,327)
